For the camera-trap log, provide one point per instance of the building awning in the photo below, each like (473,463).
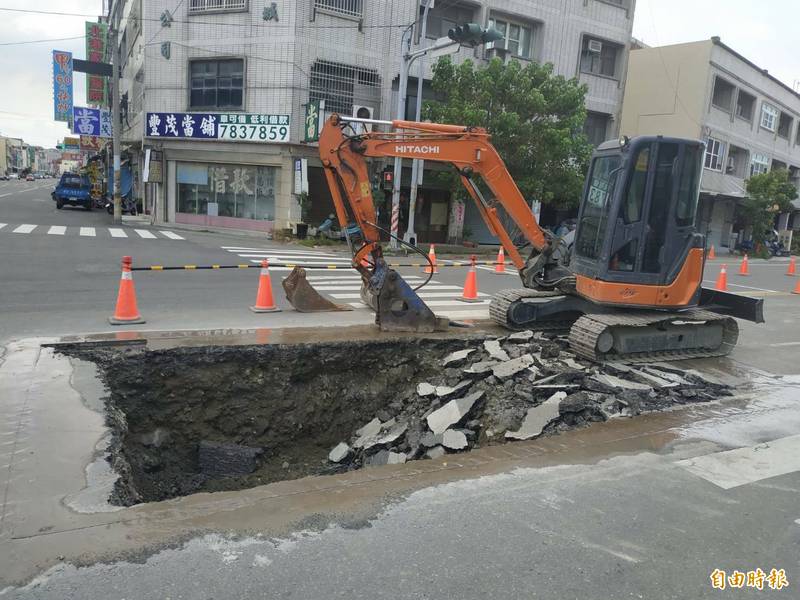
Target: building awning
(724,185)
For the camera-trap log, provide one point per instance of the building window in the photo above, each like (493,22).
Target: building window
(759,163)
(785,125)
(217,83)
(349,8)
(769,116)
(745,104)
(203,6)
(218,190)
(518,36)
(596,128)
(715,153)
(442,19)
(722,95)
(599,57)
(342,86)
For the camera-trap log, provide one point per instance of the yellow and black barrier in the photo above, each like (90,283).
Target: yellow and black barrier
(309,267)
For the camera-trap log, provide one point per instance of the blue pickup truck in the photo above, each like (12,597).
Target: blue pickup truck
(74,190)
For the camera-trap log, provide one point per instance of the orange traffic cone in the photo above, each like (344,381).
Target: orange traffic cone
(744,267)
(792,266)
(264,300)
(126,311)
(431,268)
(470,293)
(722,279)
(711,254)
(500,267)
(796,289)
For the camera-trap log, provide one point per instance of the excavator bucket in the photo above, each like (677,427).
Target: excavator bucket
(399,308)
(303,297)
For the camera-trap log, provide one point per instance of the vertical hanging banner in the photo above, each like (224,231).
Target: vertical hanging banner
(62,86)
(96,36)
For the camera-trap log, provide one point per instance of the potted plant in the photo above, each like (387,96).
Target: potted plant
(301,228)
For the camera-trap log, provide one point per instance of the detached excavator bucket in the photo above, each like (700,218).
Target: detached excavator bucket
(303,297)
(399,308)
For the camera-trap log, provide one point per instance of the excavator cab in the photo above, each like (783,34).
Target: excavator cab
(636,243)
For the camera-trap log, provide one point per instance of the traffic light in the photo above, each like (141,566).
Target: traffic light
(472,34)
(387,179)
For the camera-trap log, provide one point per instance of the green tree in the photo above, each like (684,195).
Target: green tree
(535,119)
(767,195)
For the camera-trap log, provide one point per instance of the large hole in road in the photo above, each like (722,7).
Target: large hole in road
(189,419)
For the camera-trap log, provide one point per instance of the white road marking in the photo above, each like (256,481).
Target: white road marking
(508,271)
(783,344)
(171,235)
(57,230)
(117,233)
(420,293)
(279,251)
(748,287)
(87,232)
(292,258)
(435,303)
(27,228)
(143,233)
(3,225)
(346,287)
(733,468)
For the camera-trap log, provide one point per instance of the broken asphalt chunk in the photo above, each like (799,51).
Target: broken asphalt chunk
(615,382)
(453,439)
(452,412)
(494,350)
(442,391)
(537,418)
(396,458)
(520,337)
(511,367)
(436,452)
(457,357)
(339,453)
(425,389)
(366,435)
(481,368)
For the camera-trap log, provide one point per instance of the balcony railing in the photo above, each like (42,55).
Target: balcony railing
(202,6)
(349,8)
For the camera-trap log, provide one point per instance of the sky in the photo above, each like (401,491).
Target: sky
(762,30)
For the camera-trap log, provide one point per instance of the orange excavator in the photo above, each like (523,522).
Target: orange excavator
(629,286)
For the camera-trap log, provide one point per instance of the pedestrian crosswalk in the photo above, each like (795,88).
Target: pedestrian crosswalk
(331,275)
(90,232)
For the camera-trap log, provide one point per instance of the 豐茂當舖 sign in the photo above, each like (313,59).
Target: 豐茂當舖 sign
(233,127)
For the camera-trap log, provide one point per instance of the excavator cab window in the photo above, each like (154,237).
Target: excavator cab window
(636,224)
(593,220)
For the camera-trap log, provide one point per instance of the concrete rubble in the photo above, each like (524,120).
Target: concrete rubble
(519,387)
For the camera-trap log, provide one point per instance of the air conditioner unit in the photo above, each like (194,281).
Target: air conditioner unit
(498,49)
(595,46)
(363,112)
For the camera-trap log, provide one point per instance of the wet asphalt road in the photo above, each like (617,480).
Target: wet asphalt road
(634,524)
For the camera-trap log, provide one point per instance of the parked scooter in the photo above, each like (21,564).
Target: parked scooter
(128,206)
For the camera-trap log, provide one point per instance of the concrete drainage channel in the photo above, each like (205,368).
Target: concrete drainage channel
(190,419)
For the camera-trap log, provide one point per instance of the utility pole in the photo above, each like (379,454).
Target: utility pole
(417,166)
(401,115)
(115,134)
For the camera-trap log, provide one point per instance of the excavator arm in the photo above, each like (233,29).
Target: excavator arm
(467,149)
(344,153)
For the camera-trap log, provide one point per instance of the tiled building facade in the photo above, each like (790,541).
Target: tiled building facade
(251,57)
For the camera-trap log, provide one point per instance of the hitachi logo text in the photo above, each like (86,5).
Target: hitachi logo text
(418,149)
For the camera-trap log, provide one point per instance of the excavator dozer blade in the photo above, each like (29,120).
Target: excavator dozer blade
(303,297)
(399,308)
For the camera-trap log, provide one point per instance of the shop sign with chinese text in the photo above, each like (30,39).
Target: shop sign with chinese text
(62,85)
(91,121)
(232,127)
(96,36)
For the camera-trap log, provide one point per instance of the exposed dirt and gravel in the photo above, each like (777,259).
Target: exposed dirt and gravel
(229,417)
